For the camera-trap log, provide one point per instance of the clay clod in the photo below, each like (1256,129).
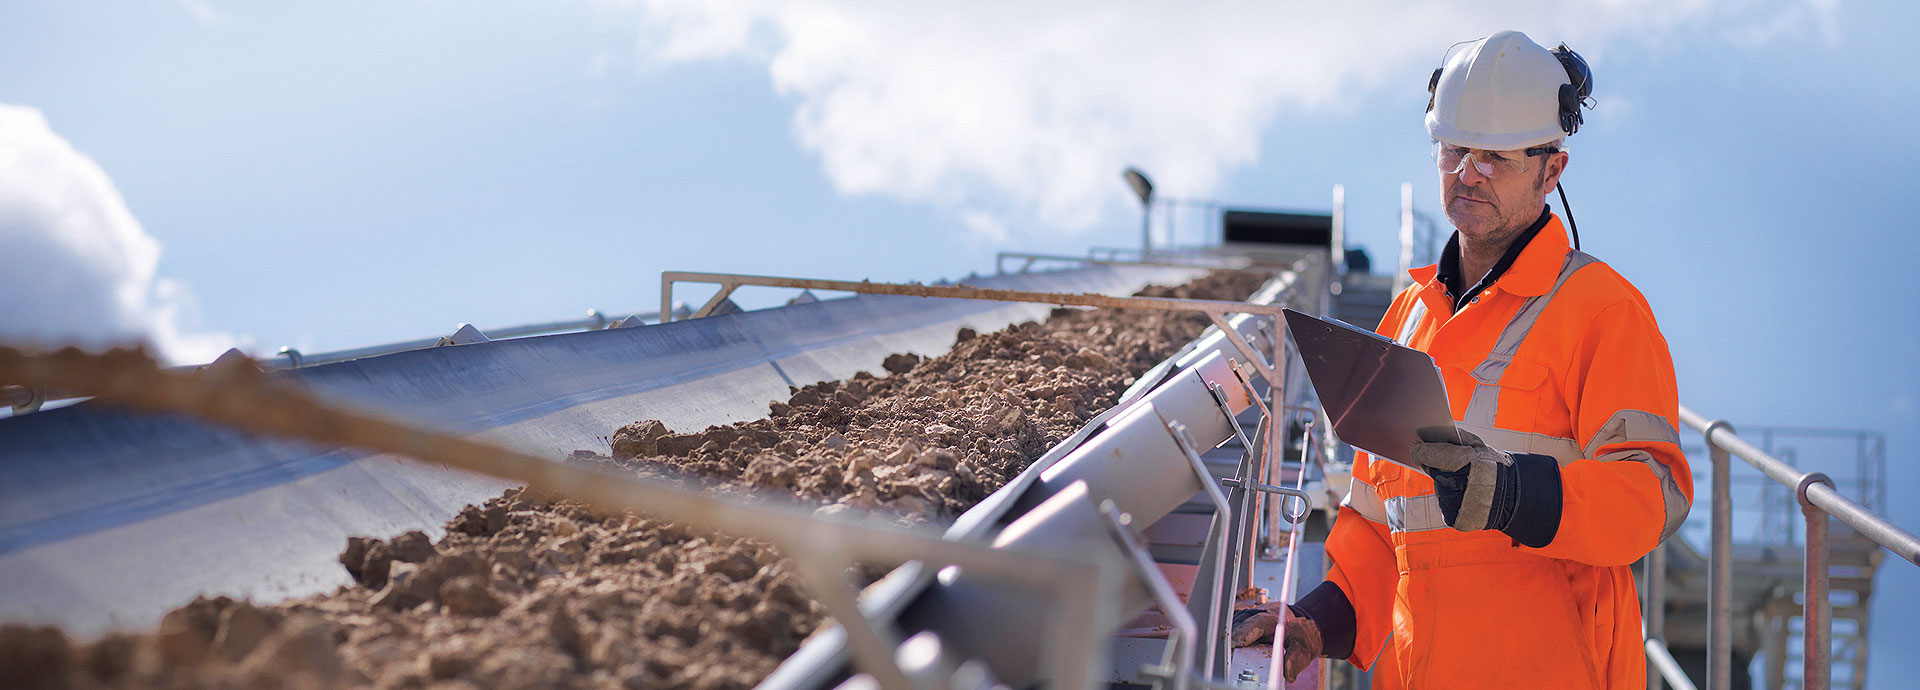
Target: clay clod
(900,363)
(638,439)
(412,547)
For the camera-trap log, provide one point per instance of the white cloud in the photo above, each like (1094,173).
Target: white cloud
(204,13)
(1815,19)
(985,225)
(77,265)
(1031,109)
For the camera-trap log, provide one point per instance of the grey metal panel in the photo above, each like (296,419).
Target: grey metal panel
(109,519)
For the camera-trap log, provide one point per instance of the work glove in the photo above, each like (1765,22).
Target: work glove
(1483,488)
(1251,625)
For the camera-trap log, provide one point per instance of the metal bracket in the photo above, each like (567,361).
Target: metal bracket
(713,303)
(1245,348)
(23,399)
(1218,604)
(1177,664)
(294,359)
(465,335)
(1306,501)
(872,645)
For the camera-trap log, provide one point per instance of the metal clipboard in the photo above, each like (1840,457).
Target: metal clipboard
(1377,393)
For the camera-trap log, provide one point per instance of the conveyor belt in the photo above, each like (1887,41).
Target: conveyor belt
(110,519)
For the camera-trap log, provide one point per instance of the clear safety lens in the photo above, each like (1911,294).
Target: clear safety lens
(1453,159)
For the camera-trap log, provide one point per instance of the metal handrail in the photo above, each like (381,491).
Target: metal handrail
(1668,668)
(1818,500)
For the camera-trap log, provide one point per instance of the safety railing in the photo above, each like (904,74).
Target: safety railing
(1819,503)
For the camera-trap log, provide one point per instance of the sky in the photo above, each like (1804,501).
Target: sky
(205,174)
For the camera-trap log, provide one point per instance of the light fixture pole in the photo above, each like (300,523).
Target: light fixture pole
(1143,189)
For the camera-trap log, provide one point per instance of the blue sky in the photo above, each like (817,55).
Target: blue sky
(213,173)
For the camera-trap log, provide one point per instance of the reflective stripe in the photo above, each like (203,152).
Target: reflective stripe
(1414,315)
(1674,502)
(1485,402)
(1563,450)
(1365,500)
(1415,513)
(1633,426)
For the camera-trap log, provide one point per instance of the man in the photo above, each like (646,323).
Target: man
(1506,564)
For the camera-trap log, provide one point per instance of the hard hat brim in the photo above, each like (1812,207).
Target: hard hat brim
(1504,141)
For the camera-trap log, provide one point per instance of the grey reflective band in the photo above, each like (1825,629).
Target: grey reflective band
(1365,500)
(1414,314)
(1560,449)
(1485,402)
(1415,513)
(1632,426)
(1673,501)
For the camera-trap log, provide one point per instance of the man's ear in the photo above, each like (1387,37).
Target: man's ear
(1555,167)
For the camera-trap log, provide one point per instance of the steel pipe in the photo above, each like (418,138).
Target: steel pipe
(1817,629)
(1901,542)
(1720,567)
(1665,667)
(1656,613)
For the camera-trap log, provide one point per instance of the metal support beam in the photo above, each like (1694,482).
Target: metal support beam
(1656,613)
(1660,664)
(1720,568)
(1816,632)
(1213,612)
(706,310)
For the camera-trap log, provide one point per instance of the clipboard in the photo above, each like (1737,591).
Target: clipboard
(1377,393)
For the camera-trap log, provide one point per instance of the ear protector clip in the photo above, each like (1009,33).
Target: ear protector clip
(1577,93)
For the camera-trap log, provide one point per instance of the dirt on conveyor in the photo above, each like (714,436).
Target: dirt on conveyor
(527,592)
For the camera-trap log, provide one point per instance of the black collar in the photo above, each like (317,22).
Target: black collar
(1449,271)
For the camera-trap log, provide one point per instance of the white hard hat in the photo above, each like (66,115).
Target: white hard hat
(1501,93)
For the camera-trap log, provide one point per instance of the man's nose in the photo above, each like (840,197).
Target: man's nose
(1470,175)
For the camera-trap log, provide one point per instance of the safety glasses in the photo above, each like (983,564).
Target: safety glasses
(1454,159)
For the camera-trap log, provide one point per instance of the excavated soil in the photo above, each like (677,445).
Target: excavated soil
(525,592)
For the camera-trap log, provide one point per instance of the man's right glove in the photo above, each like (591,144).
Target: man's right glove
(1302,637)
(1480,487)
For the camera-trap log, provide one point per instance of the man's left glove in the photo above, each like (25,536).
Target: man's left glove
(1302,636)
(1480,487)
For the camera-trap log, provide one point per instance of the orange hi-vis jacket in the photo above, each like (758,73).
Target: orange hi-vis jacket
(1560,356)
